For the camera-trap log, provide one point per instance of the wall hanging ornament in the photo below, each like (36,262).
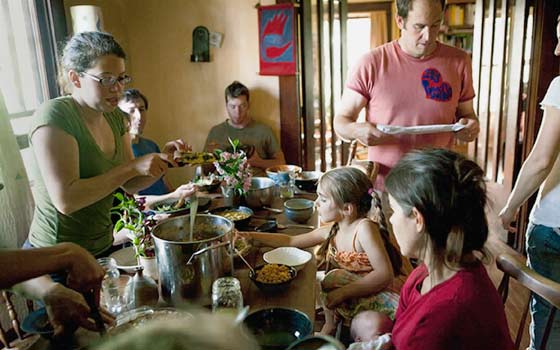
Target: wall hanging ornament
(201,46)
(277,45)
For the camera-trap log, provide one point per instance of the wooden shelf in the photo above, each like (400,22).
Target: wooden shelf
(457,30)
(454,30)
(463,27)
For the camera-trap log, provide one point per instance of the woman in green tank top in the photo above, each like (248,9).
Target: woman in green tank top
(82,150)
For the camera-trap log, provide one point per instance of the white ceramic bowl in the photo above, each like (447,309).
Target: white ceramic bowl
(290,256)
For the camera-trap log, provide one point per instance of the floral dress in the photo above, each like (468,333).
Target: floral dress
(344,267)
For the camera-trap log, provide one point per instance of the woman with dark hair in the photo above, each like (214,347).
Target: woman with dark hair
(82,150)
(448,301)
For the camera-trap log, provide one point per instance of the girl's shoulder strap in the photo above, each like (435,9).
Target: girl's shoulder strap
(356,232)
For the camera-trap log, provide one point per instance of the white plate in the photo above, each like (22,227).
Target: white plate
(126,259)
(290,256)
(420,129)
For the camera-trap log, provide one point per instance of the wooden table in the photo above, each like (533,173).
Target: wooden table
(300,294)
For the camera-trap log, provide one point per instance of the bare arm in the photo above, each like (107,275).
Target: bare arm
(57,155)
(84,273)
(347,127)
(466,115)
(371,242)
(305,240)
(141,182)
(66,308)
(184,191)
(538,165)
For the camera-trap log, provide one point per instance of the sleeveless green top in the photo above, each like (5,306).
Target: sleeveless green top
(89,227)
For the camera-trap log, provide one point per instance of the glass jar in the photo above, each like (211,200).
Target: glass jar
(110,291)
(226,295)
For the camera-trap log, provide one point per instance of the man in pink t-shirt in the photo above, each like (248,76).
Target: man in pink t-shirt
(412,81)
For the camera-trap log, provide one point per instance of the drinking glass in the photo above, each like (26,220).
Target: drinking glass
(120,298)
(286,184)
(226,295)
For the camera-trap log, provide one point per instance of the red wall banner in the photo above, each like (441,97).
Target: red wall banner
(277,45)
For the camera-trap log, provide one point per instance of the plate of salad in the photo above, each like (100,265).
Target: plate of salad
(169,206)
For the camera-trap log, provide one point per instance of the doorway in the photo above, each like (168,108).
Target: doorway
(335,33)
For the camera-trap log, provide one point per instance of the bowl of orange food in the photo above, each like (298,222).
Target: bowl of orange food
(273,278)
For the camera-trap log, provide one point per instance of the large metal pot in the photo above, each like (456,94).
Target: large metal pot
(261,192)
(188,268)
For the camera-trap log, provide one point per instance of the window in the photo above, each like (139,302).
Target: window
(27,69)
(22,72)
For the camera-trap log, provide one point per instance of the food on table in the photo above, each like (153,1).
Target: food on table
(234,215)
(194,158)
(202,231)
(172,206)
(145,317)
(273,273)
(205,180)
(241,244)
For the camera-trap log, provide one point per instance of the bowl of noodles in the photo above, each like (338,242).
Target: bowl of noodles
(273,278)
(240,216)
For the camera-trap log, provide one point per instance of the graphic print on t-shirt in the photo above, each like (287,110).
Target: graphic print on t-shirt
(434,86)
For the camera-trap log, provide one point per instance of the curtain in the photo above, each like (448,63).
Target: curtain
(378,34)
(16,201)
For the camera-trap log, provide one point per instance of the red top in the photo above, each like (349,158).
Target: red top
(402,90)
(464,312)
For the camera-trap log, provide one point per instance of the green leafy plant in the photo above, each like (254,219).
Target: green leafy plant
(138,224)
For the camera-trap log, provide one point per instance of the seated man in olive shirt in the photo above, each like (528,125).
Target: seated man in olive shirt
(241,126)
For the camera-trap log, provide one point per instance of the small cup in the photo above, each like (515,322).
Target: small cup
(286,189)
(299,210)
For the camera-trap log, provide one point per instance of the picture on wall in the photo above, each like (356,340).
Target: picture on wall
(277,51)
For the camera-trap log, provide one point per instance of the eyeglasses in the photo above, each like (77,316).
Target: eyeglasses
(109,81)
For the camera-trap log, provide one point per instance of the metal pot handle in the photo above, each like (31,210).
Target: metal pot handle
(205,249)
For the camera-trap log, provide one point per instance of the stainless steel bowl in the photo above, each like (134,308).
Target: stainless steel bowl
(261,192)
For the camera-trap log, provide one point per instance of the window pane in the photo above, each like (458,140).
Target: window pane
(22,77)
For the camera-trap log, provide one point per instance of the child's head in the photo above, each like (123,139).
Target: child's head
(368,325)
(342,186)
(438,197)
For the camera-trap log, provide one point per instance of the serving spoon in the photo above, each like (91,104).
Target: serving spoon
(194,208)
(274,225)
(245,261)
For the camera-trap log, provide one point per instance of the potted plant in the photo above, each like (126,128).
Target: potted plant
(234,171)
(138,228)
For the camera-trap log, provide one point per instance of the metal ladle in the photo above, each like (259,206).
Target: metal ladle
(193,209)
(272,225)
(245,261)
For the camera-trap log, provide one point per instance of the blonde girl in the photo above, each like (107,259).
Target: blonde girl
(353,245)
